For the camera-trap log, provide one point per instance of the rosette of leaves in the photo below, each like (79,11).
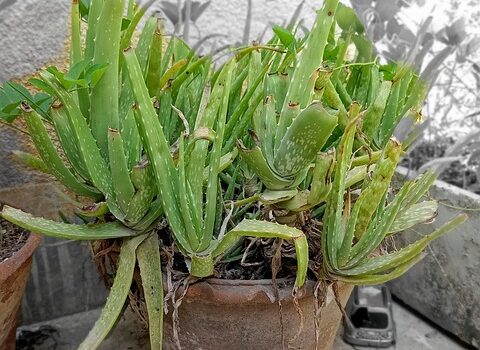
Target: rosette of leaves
(354,230)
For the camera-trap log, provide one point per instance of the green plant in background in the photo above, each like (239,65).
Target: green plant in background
(149,133)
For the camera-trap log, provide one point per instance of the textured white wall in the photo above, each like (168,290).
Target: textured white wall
(32,32)
(228,17)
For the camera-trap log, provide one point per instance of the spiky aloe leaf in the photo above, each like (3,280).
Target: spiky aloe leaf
(94,12)
(144,42)
(334,231)
(31,161)
(265,122)
(370,197)
(67,139)
(104,95)
(76,50)
(87,147)
(144,182)
(377,229)
(62,230)
(266,229)
(374,113)
(48,153)
(303,140)
(122,184)
(322,177)
(118,295)
(148,256)
(155,60)
(366,280)
(310,59)
(157,148)
(214,162)
(205,120)
(420,187)
(387,262)
(131,139)
(193,224)
(416,214)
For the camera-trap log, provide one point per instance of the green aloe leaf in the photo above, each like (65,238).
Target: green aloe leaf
(306,136)
(31,161)
(366,280)
(117,297)
(310,59)
(389,261)
(371,196)
(48,153)
(333,234)
(62,230)
(214,162)
(416,214)
(122,184)
(67,140)
(256,161)
(148,255)
(157,148)
(145,189)
(270,197)
(266,229)
(104,96)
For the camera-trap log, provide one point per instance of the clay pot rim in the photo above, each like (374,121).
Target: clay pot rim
(11,264)
(230,292)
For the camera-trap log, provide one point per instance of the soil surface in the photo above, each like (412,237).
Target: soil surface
(12,238)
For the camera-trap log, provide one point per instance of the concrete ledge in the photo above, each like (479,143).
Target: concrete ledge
(445,286)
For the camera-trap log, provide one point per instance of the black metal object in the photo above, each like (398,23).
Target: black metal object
(370,316)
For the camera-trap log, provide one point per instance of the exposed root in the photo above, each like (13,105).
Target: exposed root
(276,263)
(340,306)
(320,299)
(184,284)
(296,304)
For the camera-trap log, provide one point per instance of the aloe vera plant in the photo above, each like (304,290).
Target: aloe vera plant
(152,131)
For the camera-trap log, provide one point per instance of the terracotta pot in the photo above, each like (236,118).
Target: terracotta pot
(225,314)
(13,278)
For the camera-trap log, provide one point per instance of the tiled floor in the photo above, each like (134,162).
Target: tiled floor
(413,334)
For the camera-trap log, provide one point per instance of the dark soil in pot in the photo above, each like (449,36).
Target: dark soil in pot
(16,249)
(12,238)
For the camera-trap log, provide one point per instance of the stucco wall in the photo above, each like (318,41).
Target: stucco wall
(445,285)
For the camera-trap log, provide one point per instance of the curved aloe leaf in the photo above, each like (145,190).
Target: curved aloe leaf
(148,256)
(117,297)
(256,161)
(62,230)
(386,262)
(382,278)
(266,229)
